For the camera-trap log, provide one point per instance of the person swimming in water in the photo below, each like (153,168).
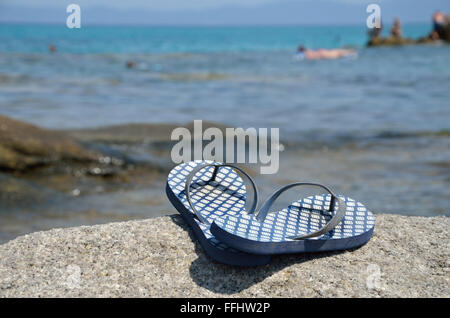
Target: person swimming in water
(129,64)
(323,53)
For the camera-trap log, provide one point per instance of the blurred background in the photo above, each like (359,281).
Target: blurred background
(86,114)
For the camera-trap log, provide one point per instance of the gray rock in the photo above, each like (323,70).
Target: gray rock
(24,146)
(407,257)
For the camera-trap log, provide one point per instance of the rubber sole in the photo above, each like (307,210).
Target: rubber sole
(292,247)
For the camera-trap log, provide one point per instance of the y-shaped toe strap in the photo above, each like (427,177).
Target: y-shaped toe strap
(216,169)
(334,221)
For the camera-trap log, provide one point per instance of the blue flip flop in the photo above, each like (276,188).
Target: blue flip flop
(202,191)
(313,224)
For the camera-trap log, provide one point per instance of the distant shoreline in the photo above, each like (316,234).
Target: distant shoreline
(361,24)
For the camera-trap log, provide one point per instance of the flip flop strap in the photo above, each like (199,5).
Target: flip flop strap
(334,221)
(216,169)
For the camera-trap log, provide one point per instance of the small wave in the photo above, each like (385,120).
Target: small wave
(312,141)
(397,134)
(14,79)
(187,77)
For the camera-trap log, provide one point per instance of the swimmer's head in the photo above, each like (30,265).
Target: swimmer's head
(301,48)
(439,17)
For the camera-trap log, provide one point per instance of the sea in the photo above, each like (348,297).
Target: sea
(375,125)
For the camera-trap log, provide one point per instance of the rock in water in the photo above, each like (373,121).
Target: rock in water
(24,146)
(389,41)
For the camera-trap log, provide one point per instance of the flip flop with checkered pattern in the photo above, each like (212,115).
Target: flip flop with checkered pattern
(325,222)
(202,191)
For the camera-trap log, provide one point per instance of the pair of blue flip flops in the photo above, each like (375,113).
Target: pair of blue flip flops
(211,198)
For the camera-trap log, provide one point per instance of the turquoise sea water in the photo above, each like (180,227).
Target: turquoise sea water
(166,39)
(186,73)
(378,123)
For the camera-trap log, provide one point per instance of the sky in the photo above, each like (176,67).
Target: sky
(217,12)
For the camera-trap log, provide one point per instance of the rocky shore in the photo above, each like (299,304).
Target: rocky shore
(443,37)
(24,146)
(61,178)
(407,257)
(51,178)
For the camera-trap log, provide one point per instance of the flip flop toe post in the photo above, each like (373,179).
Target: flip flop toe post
(202,191)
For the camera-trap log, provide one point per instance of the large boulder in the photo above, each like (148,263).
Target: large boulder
(160,257)
(24,146)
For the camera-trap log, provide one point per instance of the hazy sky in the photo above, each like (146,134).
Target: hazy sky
(201,12)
